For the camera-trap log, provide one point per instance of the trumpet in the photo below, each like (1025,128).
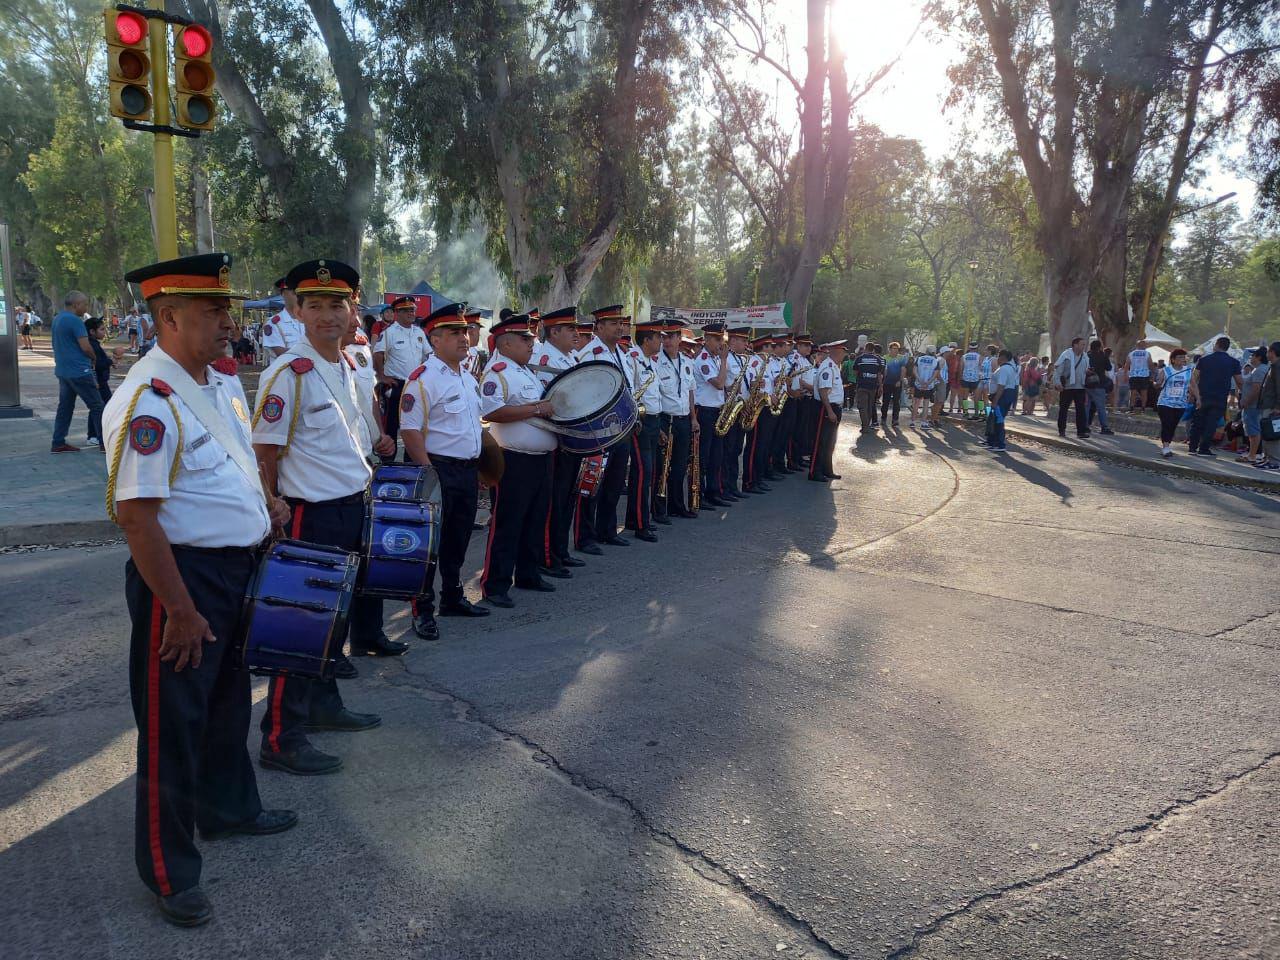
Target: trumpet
(732,408)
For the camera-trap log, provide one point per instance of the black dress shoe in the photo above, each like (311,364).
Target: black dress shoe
(266,822)
(774,475)
(648,536)
(537,586)
(345,721)
(573,562)
(819,479)
(709,503)
(834,476)
(499,600)
(385,647)
(685,515)
(591,550)
(188,908)
(462,608)
(761,488)
(425,626)
(662,520)
(306,761)
(344,669)
(617,541)
(560,573)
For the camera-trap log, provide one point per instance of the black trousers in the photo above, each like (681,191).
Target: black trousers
(806,425)
(662,452)
(391,413)
(681,429)
(517,522)
(644,456)
(1065,399)
(731,465)
(783,436)
(755,461)
(562,506)
(710,451)
(824,444)
(1170,417)
(609,492)
(193,767)
(292,701)
(1204,422)
(891,400)
(866,402)
(459,490)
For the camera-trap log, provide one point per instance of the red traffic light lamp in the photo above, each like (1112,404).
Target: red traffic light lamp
(128,65)
(194,76)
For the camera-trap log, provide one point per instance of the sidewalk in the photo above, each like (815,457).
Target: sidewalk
(49,498)
(1142,452)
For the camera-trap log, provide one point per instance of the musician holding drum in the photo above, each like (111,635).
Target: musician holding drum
(183,485)
(602,525)
(511,394)
(440,427)
(312,444)
(551,356)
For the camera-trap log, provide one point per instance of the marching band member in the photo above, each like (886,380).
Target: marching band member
(610,324)
(731,466)
(184,487)
(551,356)
(440,427)
(759,379)
(312,444)
(784,421)
(399,350)
(676,380)
(283,330)
(831,398)
(356,346)
(584,506)
(805,401)
(710,371)
(644,440)
(510,394)
(476,359)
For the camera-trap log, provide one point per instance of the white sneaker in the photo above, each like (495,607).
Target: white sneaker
(93,442)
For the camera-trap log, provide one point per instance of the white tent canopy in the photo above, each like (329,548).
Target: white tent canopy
(1235,349)
(1156,338)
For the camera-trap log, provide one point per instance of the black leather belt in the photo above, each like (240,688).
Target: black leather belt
(453,461)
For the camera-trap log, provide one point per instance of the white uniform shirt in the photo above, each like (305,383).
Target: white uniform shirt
(809,376)
(210,503)
(327,458)
(1070,369)
(828,378)
(366,379)
(1007,376)
(1139,363)
(736,362)
(448,401)
(756,367)
(547,362)
(644,370)
(799,366)
(927,365)
(705,369)
(282,331)
(404,350)
(596,350)
(509,384)
(675,379)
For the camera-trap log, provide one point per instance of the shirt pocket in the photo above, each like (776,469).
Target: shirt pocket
(200,460)
(455,405)
(326,417)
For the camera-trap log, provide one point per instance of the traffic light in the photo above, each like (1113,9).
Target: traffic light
(193,76)
(128,65)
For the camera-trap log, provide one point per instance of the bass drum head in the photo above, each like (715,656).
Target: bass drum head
(581,392)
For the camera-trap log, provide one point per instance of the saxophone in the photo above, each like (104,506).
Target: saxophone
(695,477)
(641,409)
(756,400)
(729,412)
(666,442)
(780,387)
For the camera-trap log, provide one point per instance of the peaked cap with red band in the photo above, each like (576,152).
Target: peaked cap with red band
(203,275)
(331,277)
(450,316)
(611,312)
(519,323)
(568,316)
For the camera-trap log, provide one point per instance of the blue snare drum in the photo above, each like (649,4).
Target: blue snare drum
(296,607)
(405,481)
(593,407)
(401,539)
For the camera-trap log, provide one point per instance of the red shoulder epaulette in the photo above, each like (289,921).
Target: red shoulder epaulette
(544,359)
(301,365)
(160,387)
(499,367)
(362,339)
(350,363)
(417,373)
(225,365)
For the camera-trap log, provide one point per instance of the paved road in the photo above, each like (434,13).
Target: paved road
(950,706)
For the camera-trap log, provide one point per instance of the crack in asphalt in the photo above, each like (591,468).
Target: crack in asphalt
(1221,634)
(1123,839)
(701,863)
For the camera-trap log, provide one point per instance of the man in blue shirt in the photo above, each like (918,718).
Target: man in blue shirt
(1210,384)
(73,366)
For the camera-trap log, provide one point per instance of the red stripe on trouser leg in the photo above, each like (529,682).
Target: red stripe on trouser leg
(546,529)
(296,530)
(493,525)
(277,724)
(153,751)
(817,440)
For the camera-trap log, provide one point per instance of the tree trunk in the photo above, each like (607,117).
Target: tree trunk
(1067,297)
(1116,329)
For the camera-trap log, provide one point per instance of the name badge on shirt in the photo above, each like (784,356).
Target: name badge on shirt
(199,442)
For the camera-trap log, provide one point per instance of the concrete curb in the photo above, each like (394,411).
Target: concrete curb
(23,534)
(1159,465)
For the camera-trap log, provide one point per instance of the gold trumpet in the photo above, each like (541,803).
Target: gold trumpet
(732,408)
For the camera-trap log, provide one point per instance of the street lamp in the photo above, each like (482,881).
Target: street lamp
(755,297)
(1231,302)
(968,317)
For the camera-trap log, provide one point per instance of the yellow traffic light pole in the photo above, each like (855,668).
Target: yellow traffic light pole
(166,199)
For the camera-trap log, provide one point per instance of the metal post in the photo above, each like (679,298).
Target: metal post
(10,399)
(968,316)
(166,202)
(1231,302)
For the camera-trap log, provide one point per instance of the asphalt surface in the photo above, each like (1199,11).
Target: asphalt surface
(949,706)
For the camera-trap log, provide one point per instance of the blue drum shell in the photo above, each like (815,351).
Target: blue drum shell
(401,539)
(405,481)
(599,432)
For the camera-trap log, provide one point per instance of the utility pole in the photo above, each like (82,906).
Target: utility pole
(968,316)
(166,200)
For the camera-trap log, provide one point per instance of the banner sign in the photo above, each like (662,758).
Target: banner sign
(772,316)
(421,303)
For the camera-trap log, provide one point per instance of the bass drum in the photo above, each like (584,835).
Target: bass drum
(592,407)
(405,481)
(401,540)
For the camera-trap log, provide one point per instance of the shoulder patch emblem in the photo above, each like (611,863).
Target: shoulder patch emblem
(597,351)
(706,368)
(490,388)
(406,402)
(272,408)
(160,387)
(301,365)
(499,367)
(266,329)
(417,373)
(362,360)
(145,434)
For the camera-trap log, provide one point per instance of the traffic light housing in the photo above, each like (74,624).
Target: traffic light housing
(193,76)
(128,64)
